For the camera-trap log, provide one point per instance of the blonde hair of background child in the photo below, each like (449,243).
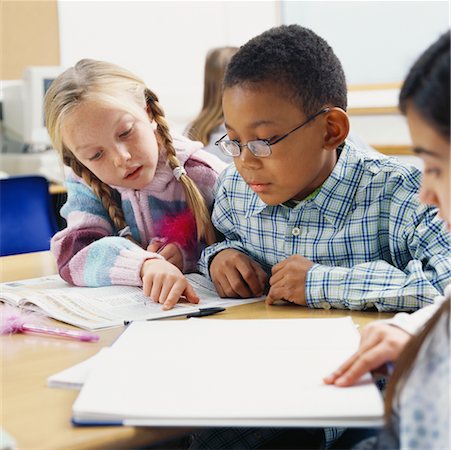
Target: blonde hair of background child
(110,84)
(211,115)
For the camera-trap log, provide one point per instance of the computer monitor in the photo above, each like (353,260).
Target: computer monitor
(23,111)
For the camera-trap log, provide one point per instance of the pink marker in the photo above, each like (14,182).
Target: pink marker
(83,336)
(15,322)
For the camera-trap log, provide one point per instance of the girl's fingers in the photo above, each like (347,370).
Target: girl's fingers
(155,290)
(175,293)
(366,362)
(190,294)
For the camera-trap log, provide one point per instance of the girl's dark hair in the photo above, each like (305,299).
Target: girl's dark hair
(297,60)
(427,86)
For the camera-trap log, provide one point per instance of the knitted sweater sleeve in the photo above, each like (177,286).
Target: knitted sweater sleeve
(88,251)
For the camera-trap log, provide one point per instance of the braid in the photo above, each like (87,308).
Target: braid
(102,191)
(194,198)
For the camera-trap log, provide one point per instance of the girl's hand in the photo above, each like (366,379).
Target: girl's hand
(380,343)
(170,252)
(165,284)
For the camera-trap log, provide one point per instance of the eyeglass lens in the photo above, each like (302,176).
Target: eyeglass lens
(257,148)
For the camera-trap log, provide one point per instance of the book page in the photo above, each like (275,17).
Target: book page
(206,291)
(102,307)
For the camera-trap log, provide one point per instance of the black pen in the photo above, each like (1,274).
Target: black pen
(205,312)
(201,313)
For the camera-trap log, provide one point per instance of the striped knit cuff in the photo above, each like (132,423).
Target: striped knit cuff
(127,267)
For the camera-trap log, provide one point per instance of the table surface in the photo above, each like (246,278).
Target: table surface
(39,417)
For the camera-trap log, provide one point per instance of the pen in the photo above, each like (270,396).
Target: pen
(201,313)
(205,312)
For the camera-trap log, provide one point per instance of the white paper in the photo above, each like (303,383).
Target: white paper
(103,307)
(231,372)
(73,377)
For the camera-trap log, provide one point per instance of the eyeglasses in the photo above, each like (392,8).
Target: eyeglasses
(260,147)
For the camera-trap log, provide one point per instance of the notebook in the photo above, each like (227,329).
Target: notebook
(228,373)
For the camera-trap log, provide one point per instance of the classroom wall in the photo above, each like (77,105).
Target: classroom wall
(28,36)
(165,42)
(376,41)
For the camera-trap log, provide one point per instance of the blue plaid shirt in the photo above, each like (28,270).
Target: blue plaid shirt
(372,242)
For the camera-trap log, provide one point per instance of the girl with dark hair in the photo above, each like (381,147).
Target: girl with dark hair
(417,397)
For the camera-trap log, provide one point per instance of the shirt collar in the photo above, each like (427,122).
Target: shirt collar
(337,193)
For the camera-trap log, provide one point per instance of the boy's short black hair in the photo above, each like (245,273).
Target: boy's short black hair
(298,60)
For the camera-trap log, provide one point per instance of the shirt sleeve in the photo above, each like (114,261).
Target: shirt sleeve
(88,252)
(417,267)
(413,323)
(222,218)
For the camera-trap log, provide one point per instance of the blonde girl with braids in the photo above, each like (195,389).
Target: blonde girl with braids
(208,126)
(138,199)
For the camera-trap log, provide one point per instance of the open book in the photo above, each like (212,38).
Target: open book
(103,307)
(228,373)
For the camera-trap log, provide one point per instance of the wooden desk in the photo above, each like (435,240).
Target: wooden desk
(57,189)
(39,417)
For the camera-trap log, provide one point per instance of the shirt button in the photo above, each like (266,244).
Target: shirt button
(325,305)
(295,231)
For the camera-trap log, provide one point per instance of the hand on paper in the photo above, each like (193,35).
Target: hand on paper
(288,280)
(235,274)
(380,343)
(170,252)
(165,284)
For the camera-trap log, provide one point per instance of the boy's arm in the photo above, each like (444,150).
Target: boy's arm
(231,268)
(87,251)
(382,284)
(222,218)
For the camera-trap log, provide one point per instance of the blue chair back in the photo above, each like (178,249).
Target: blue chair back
(27,219)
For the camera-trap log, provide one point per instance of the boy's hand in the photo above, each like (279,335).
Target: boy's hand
(169,252)
(288,280)
(380,343)
(165,284)
(234,274)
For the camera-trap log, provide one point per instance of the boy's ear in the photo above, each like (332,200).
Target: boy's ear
(337,128)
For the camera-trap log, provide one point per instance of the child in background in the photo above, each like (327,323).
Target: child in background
(417,398)
(326,224)
(138,200)
(208,126)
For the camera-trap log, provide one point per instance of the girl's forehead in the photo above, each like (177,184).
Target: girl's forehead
(105,107)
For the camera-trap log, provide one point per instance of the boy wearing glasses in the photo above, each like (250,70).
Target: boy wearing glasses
(305,211)
(324,223)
